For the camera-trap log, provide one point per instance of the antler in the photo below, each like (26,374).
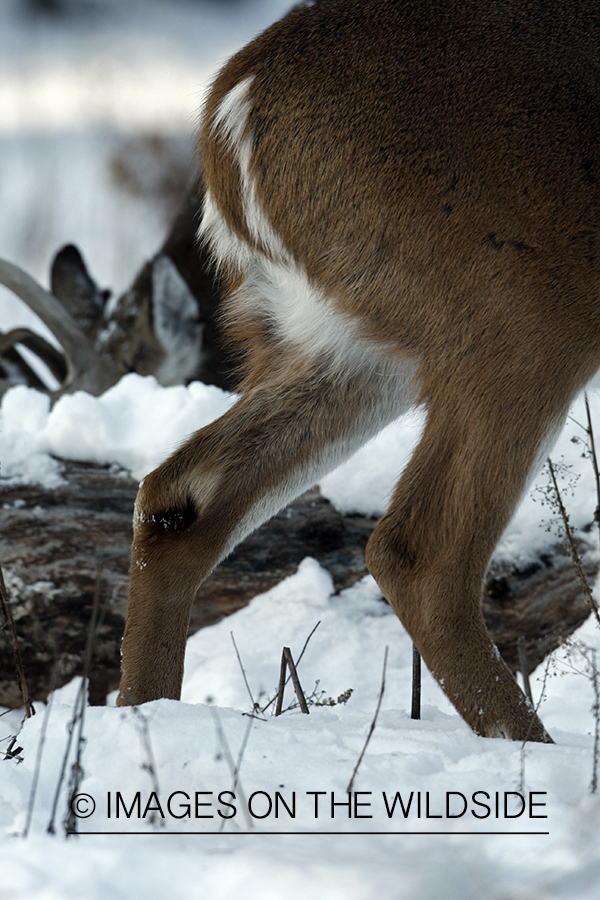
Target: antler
(164,324)
(83,367)
(49,355)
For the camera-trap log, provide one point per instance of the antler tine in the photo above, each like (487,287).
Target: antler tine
(53,358)
(86,368)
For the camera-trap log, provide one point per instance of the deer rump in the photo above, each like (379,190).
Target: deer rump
(403,199)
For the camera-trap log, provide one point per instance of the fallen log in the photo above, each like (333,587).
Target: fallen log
(53,543)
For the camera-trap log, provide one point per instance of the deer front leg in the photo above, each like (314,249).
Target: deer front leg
(430,552)
(278,440)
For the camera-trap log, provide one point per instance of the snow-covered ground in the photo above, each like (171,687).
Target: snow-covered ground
(67,92)
(274,832)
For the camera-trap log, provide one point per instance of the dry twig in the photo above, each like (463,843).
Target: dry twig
(571,544)
(524,668)
(237,653)
(29,709)
(287,662)
(594,458)
(273,699)
(373,723)
(415,707)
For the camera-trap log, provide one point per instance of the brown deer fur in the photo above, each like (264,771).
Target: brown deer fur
(406,195)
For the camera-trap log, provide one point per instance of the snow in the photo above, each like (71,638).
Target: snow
(135,424)
(143,67)
(550,853)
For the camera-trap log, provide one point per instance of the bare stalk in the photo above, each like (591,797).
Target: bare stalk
(70,820)
(281,688)
(537,706)
(40,751)
(235,774)
(234,768)
(415,709)
(596,709)
(594,457)
(150,765)
(572,546)
(524,668)
(373,723)
(273,699)
(288,661)
(77,719)
(237,653)
(29,709)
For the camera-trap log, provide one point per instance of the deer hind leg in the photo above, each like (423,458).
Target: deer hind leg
(299,417)
(430,552)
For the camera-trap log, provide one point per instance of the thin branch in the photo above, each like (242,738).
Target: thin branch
(373,723)
(235,775)
(281,688)
(537,706)
(77,717)
(572,545)
(70,820)
(590,432)
(415,707)
(273,699)
(29,710)
(237,653)
(40,750)
(233,768)
(288,661)
(150,765)
(524,667)
(306,643)
(596,709)
(61,776)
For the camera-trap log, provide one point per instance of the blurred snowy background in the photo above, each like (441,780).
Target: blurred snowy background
(99,101)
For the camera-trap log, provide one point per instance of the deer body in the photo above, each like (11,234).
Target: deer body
(404,198)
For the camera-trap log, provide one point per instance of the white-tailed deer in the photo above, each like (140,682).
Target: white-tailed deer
(405,199)
(162,325)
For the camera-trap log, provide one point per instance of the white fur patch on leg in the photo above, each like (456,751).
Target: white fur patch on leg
(230,123)
(301,314)
(225,244)
(298,312)
(277,290)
